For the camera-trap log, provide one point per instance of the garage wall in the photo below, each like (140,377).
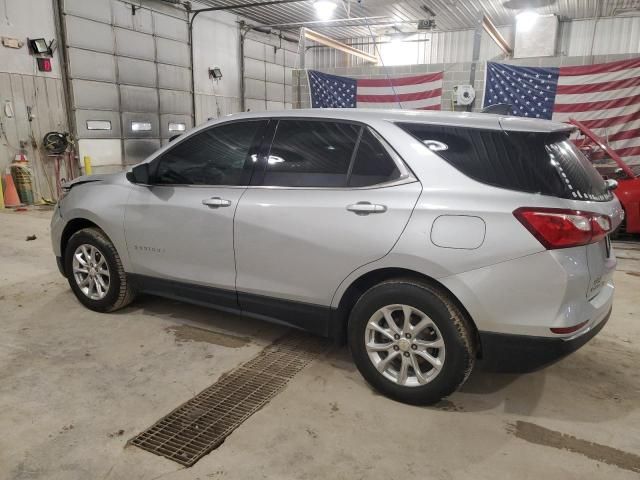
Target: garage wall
(130,78)
(23,89)
(216,40)
(454,74)
(603,36)
(268,63)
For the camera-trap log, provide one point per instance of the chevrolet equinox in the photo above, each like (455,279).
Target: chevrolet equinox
(427,240)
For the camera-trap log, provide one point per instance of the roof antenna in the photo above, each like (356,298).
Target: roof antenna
(386,73)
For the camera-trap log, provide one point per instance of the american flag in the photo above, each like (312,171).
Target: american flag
(605,97)
(418,92)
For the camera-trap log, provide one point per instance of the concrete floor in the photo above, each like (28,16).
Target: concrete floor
(76,385)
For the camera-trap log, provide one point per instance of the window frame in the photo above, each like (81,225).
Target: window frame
(256,146)
(406,175)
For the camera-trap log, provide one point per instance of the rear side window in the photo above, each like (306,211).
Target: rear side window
(216,156)
(545,163)
(311,154)
(373,164)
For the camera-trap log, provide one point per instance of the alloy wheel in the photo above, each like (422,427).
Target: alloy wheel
(404,345)
(91,271)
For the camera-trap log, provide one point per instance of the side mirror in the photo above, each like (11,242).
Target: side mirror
(139,174)
(611,184)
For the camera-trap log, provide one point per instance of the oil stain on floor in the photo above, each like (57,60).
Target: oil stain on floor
(550,438)
(188,333)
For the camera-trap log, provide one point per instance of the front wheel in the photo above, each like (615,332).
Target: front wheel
(411,342)
(95,272)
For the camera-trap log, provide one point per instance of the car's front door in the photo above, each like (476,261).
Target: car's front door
(180,228)
(329,197)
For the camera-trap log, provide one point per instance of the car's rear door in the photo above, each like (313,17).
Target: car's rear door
(180,228)
(330,197)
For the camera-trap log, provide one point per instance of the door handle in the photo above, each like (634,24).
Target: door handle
(365,208)
(216,202)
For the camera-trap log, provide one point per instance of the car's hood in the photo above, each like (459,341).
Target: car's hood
(100,178)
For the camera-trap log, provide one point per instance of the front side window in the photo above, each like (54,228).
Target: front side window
(219,155)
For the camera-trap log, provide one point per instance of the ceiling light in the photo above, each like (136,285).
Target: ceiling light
(526,20)
(324,8)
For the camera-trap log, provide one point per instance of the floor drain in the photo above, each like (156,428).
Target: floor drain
(201,424)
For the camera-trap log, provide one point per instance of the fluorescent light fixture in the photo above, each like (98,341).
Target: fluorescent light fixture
(324,8)
(526,20)
(98,125)
(177,127)
(140,126)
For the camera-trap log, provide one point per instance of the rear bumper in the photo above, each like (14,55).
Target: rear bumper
(523,353)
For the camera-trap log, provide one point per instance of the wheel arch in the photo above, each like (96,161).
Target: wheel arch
(74,225)
(367,280)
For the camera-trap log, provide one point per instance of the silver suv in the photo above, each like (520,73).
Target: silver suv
(427,240)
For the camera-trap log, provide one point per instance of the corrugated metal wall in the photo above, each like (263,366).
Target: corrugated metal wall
(613,35)
(130,69)
(268,62)
(43,99)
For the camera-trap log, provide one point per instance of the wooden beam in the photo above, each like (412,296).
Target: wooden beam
(495,34)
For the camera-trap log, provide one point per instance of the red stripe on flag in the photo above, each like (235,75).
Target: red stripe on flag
(401,97)
(624,135)
(600,105)
(400,81)
(600,68)
(610,122)
(623,152)
(598,87)
(430,107)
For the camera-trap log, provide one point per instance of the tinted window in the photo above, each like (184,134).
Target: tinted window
(311,154)
(543,163)
(372,164)
(216,156)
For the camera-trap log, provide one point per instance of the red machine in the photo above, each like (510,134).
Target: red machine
(628,178)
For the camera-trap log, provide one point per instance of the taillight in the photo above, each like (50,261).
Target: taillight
(563,228)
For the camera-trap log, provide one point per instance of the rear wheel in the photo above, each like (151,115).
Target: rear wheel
(411,342)
(95,272)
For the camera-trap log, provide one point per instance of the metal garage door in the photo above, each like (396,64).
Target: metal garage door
(130,76)
(268,62)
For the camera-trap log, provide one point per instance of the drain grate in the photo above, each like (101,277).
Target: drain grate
(202,423)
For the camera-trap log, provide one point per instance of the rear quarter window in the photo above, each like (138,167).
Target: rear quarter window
(532,162)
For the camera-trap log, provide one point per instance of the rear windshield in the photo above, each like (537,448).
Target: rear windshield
(545,163)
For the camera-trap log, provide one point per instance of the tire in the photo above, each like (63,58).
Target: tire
(118,292)
(434,318)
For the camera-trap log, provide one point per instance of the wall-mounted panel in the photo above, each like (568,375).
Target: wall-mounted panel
(134,44)
(91,124)
(255,89)
(175,101)
(123,17)
(88,34)
(88,65)
(138,99)
(170,27)
(275,92)
(136,150)
(90,9)
(172,52)
(275,73)
(136,72)
(103,152)
(95,95)
(172,77)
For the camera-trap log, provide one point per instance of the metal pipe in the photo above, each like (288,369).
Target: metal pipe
(343,47)
(246,5)
(496,36)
